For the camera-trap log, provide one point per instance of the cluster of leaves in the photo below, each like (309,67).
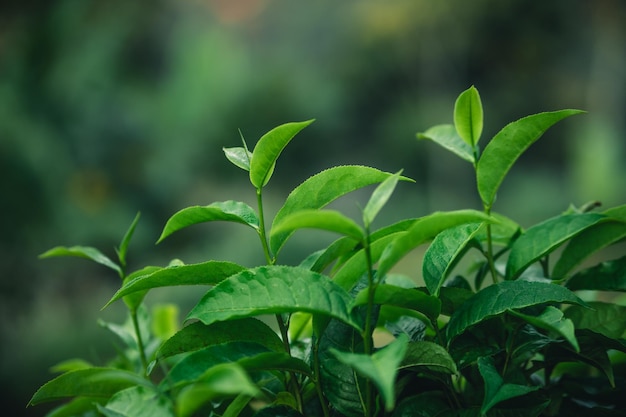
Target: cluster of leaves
(346,335)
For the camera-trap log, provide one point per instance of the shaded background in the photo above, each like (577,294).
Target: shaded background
(112,107)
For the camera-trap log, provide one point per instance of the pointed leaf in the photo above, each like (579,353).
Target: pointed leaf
(409,298)
(381,367)
(91,382)
(552,320)
(268,149)
(444,252)
(85,252)
(138,402)
(80,406)
(496,390)
(379,198)
(503,150)
(423,230)
(330,220)
(239,156)
(275,361)
(545,237)
(323,188)
(273,290)
(468,116)
(604,318)
(206,273)
(447,137)
(591,240)
(428,355)
(134,300)
(230,211)
(498,298)
(121,252)
(607,276)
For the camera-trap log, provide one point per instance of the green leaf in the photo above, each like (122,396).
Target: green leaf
(552,320)
(604,318)
(80,406)
(230,211)
(275,361)
(507,295)
(424,404)
(423,230)
(273,290)
(134,300)
(239,156)
(71,365)
(591,240)
(321,189)
(138,402)
(409,298)
(447,137)
(206,273)
(198,336)
(428,355)
(503,150)
(85,252)
(379,198)
(496,390)
(381,367)
(545,237)
(607,276)
(91,382)
(268,149)
(468,116)
(444,252)
(122,250)
(220,381)
(330,220)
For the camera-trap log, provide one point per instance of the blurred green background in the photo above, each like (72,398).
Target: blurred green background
(112,107)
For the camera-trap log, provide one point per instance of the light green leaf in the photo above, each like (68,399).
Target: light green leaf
(447,137)
(330,220)
(230,211)
(444,252)
(496,390)
(503,150)
(268,149)
(91,382)
(138,402)
(607,276)
(545,237)
(381,367)
(323,188)
(605,318)
(468,116)
(591,240)
(206,273)
(85,252)
(423,230)
(379,198)
(552,320)
(507,295)
(198,336)
(274,290)
(410,298)
(428,355)
(239,156)
(71,365)
(221,381)
(122,250)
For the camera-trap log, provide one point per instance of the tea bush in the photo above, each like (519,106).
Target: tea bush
(509,335)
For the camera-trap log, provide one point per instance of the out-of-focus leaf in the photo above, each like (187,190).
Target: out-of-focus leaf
(85,252)
(409,298)
(606,318)
(138,402)
(552,320)
(607,276)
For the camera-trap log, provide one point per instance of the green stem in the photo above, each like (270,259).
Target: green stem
(490,258)
(140,346)
(262,235)
(318,384)
(368,342)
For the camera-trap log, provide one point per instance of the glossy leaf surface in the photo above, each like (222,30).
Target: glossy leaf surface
(138,401)
(553,320)
(468,116)
(239,156)
(330,220)
(428,355)
(447,137)
(379,198)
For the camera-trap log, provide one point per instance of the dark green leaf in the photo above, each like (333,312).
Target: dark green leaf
(85,252)
(269,148)
(330,220)
(545,237)
(273,290)
(607,276)
(206,273)
(498,298)
(197,336)
(275,361)
(552,320)
(409,298)
(80,406)
(447,137)
(443,253)
(428,355)
(468,116)
(503,150)
(605,318)
(277,411)
(425,404)
(138,402)
(230,211)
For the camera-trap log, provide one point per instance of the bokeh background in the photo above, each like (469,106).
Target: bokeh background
(112,107)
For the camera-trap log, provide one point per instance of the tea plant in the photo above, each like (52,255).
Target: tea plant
(507,337)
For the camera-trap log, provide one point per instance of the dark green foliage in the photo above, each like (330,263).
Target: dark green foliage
(339,334)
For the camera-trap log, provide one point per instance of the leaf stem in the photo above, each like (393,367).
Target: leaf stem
(262,235)
(490,258)
(368,343)
(140,345)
